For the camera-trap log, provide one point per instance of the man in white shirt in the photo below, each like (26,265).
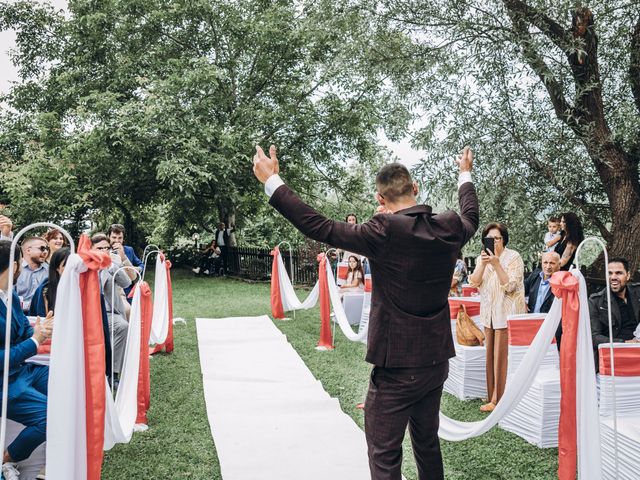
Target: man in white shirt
(222,236)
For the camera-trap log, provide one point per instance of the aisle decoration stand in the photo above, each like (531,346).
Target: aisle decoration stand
(7,333)
(283,296)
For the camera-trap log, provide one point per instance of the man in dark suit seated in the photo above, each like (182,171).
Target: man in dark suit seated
(538,288)
(410,339)
(625,307)
(27,389)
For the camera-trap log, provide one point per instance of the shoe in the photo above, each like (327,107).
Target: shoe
(10,471)
(488,407)
(196,270)
(206,272)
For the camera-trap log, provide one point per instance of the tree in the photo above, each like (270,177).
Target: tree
(549,95)
(153,108)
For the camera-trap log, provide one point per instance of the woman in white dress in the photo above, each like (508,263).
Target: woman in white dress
(355,277)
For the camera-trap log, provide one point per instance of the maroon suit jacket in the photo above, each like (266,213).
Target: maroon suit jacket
(412,255)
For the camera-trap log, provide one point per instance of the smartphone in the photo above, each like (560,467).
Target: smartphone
(488,243)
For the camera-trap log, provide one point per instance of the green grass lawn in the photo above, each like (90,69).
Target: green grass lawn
(178,443)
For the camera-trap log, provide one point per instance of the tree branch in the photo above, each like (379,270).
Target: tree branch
(552,29)
(634,64)
(563,109)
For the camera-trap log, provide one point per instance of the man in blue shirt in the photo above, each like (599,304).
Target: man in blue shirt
(35,269)
(539,290)
(116,239)
(27,390)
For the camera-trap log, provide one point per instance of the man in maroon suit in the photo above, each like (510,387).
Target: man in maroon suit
(412,254)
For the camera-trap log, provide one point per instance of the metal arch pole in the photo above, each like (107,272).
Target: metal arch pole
(146,257)
(144,253)
(7,332)
(333,329)
(111,327)
(290,267)
(613,370)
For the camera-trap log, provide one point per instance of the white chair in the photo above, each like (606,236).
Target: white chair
(467,370)
(352,303)
(627,395)
(537,415)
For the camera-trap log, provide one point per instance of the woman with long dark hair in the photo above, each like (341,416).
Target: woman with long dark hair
(56,240)
(355,277)
(572,236)
(44,299)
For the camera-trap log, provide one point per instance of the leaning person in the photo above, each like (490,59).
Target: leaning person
(410,339)
(27,389)
(499,277)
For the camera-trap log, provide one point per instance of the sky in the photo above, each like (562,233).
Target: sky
(8,74)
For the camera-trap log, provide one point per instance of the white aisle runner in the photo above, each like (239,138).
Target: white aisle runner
(270,418)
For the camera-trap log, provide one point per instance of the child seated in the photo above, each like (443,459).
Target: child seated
(553,236)
(355,277)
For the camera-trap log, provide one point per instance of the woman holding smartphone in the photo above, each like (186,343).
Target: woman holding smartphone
(499,277)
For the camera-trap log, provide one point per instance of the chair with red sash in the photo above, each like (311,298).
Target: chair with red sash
(537,415)
(627,402)
(342,272)
(467,370)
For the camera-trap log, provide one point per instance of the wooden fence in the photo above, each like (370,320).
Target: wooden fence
(255,263)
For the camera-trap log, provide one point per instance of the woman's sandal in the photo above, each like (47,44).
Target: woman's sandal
(488,407)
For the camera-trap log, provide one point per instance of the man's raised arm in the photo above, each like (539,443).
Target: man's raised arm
(467,197)
(365,239)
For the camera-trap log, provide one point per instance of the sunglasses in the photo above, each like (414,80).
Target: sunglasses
(42,248)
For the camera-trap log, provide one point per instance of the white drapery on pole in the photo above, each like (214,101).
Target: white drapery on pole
(589,465)
(290,301)
(120,416)
(341,316)
(160,320)
(66,404)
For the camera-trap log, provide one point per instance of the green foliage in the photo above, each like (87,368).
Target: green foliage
(156,106)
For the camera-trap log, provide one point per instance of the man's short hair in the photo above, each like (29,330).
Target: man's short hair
(116,228)
(27,242)
(553,253)
(554,220)
(5,253)
(393,182)
(622,260)
(99,237)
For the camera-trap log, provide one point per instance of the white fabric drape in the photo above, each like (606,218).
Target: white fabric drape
(341,316)
(288,295)
(66,407)
(120,416)
(160,320)
(586,408)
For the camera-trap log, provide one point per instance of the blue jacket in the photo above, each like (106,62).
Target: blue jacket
(38,307)
(133,258)
(22,347)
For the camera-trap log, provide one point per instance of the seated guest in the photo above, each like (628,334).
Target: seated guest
(208,258)
(572,235)
(355,277)
(114,299)
(537,285)
(538,288)
(44,300)
(498,276)
(27,395)
(625,307)
(55,239)
(34,269)
(459,277)
(116,239)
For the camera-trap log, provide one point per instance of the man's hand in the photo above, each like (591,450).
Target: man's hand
(119,250)
(263,166)
(5,226)
(465,162)
(43,329)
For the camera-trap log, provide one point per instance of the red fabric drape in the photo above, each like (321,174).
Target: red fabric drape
(627,361)
(144,381)
(94,354)
(277,311)
(565,286)
(473,308)
(522,332)
(167,346)
(325,304)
